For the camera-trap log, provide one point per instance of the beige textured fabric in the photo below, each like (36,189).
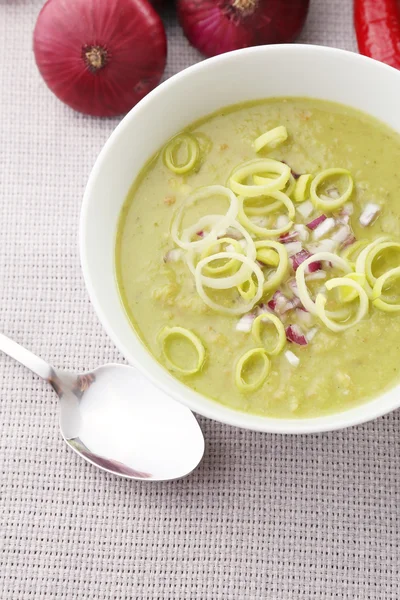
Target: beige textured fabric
(265,516)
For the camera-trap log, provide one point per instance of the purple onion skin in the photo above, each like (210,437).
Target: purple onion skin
(218,26)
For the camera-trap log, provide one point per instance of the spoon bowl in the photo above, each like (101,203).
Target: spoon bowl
(115,419)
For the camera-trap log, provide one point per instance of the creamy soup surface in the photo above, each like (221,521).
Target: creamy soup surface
(314,369)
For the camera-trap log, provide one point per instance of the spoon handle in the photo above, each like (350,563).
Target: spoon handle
(26,358)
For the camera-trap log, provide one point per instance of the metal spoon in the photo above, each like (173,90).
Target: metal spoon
(117,420)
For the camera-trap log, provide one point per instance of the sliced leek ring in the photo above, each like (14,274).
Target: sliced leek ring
(263,231)
(167,332)
(348,294)
(372,254)
(266,318)
(362,310)
(288,190)
(214,221)
(328,204)
(238,310)
(197,196)
(264,209)
(274,280)
(268,257)
(304,295)
(377,291)
(247,289)
(271,138)
(351,252)
(302,189)
(193,152)
(291,185)
(361,260)
(258,167)
(242,384)
(230,264)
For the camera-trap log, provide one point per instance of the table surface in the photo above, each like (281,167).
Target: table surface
(264,516)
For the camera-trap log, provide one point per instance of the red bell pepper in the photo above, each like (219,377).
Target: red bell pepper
(377,24)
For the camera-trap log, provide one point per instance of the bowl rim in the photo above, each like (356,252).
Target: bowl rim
(212,409)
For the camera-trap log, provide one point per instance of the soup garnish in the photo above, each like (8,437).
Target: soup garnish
(274,253)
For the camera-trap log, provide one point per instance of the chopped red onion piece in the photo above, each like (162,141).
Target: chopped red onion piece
(344,219)
(281,221)
(294,302)
(200,233)
(326,245)
(300,257)
(323,228)
(293,248)
(273,301)
(347,209)
(262,308)
(292,358)
(341,234)
(369,214)
(303,232)
(305,209)
(245,323)
(285,238)
(315,275)
(292,283)
(333,192)
(304,317)
(349,241)
(173,255)
(314,266)
(311,333)
(294,334)
(314,224)
(280,304)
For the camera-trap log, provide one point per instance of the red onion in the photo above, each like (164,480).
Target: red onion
(314,224)
(100,56)
(300,257)
(305,209)
(301,229)
(349,241)
(173,255)
(273,302)
(341,234)
(245,323)
(292,358)
(369,214)
(333,192)
(323,228)
(311,333)
(293,248)
(294,334)
(286,238)
(218,26)
(347,209)
(280,304)
(305,318)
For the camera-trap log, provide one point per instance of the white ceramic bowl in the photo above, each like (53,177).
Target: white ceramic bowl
(254,73)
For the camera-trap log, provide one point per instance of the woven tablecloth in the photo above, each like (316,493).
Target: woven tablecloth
(263,517)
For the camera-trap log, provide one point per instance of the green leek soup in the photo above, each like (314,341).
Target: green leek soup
(258,255)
